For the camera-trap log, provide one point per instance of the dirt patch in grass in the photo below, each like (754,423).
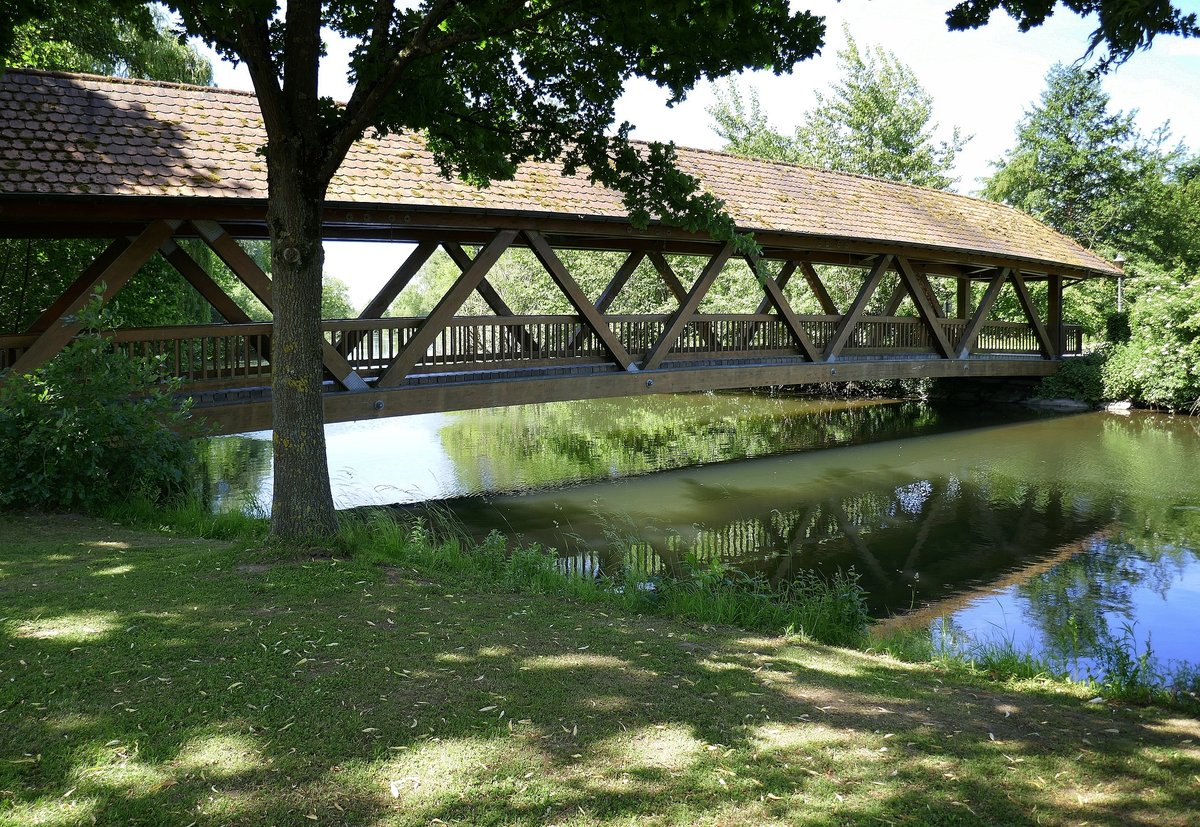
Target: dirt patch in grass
(158,684)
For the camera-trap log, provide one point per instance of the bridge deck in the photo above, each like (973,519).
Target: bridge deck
(479,361)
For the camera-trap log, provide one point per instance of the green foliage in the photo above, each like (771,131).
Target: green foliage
(136,42)
(877,120)
(34,272)
(1122,27)
(1116,327)
(1160,364)
(335,299)
(831,611)
(1128,673)
(89,429)
(1078,378)
(1090,174)
(1087,172)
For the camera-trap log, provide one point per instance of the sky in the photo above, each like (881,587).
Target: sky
(981,81)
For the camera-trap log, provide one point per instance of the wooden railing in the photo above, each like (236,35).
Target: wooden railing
(239,354)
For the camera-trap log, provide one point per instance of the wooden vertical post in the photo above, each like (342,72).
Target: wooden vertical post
(962,296)
(1054,314)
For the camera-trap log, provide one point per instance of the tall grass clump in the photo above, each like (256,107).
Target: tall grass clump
(191,515)
(824,610)
(953,650)
(831,611)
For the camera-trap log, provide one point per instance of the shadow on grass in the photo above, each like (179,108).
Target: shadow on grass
(145,680)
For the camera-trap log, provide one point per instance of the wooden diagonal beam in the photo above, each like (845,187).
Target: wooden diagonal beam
(236,259)
(405,273)
(842,334)
(785,275)
(575,295)
(687,308)
(676,287)
(773,287)
(776,297)
(80,287)
(212,292)
(918,288)
(1026,301)
(485,289)
(251,275)
(971,331)
(609,294)
(818,287)
(196,276)
(492,298)
(764,305)
(611,290)
(387,294)
(109,280)
(899,294)
(445,309)
(668,276)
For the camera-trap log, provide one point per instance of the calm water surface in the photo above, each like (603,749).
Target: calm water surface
(1056,533)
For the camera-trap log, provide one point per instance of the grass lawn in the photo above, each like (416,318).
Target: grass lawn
(152,679)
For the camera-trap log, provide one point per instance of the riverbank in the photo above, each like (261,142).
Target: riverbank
(158,678)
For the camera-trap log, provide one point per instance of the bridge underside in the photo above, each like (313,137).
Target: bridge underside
(914,312)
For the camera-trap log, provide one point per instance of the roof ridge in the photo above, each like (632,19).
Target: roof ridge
(116,79)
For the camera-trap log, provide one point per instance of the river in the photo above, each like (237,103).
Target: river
(1057,533)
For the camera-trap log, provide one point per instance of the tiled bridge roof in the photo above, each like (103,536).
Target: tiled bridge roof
(82,135)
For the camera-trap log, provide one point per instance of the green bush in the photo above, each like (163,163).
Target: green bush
(1079,378)
(1160,364)
(92,428)
(1116,327)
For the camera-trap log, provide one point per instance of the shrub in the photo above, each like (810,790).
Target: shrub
(1079,378)
(1160,364)
(91,428)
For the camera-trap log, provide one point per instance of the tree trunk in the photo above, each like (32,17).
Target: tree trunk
(302,506)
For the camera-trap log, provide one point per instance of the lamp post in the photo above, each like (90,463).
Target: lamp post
(1120,262)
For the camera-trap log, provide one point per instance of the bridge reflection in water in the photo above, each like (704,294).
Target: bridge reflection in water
(916,519)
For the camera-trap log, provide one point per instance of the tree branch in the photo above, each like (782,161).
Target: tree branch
(361,108)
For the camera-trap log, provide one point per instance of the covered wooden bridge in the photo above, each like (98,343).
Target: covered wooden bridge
(146,164)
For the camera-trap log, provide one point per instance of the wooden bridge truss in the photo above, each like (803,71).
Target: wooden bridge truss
(381,366)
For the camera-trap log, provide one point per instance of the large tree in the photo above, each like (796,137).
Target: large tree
(490,84)
(876,119)
(1083,169)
